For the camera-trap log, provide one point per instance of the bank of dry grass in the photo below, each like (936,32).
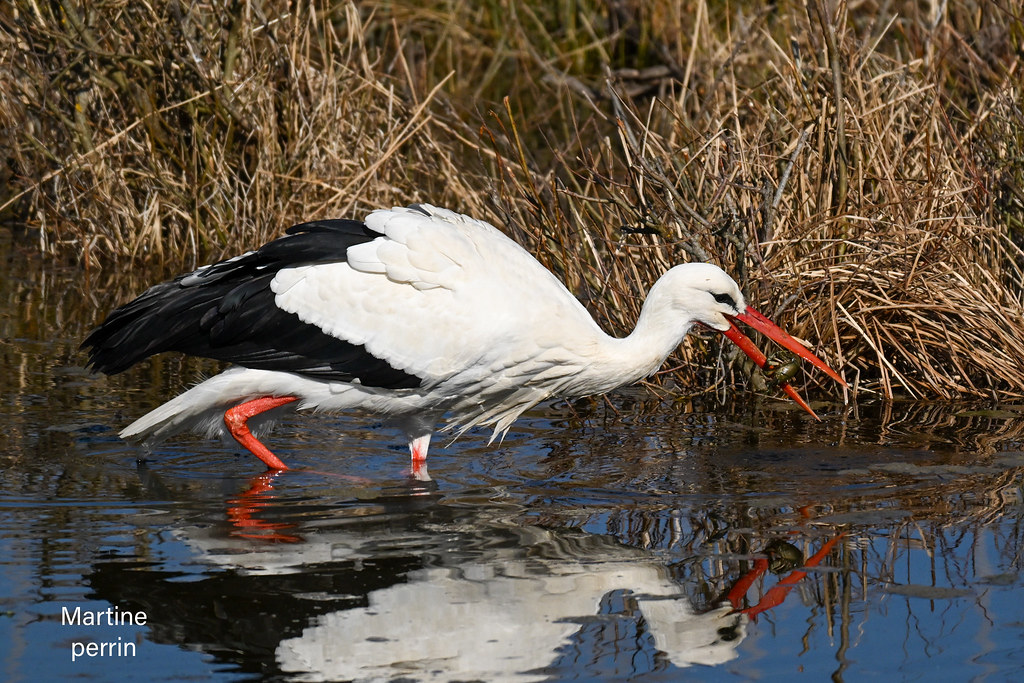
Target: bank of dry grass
(179,132)
(859,168)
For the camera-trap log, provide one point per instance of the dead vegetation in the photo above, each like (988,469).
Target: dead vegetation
(858,167)
(178,132)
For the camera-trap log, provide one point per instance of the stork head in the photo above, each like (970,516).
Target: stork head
(706,295)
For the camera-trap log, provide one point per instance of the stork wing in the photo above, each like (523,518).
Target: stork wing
(408,298)
(435,295)
(226,311)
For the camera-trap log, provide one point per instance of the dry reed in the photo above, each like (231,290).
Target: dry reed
(858,168)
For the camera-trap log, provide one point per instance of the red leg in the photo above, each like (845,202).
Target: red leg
(236,419)
(418,449)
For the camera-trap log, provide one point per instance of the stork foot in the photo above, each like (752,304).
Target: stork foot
(237,421)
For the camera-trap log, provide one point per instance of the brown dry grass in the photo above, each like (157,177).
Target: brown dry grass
(180,132)
(857,166)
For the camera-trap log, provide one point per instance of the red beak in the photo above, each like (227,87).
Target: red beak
(776,334)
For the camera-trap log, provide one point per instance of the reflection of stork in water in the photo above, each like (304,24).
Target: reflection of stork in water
(414,314)
(497,619)
(495,601)
(514,599)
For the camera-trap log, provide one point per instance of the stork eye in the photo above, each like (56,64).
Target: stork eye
(725,299)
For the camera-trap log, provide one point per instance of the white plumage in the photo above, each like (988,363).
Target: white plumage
(469,326)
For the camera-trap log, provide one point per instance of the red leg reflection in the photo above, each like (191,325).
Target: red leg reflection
(243,509)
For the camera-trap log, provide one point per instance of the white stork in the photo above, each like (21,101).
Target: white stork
(415,314)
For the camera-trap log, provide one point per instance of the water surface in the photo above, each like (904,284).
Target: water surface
(627,539)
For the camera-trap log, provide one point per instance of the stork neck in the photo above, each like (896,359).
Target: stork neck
(659,331)
(657,334)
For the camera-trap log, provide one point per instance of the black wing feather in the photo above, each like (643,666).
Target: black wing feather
(226,311)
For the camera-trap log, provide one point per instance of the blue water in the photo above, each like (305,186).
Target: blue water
(627,540)
(582,548)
